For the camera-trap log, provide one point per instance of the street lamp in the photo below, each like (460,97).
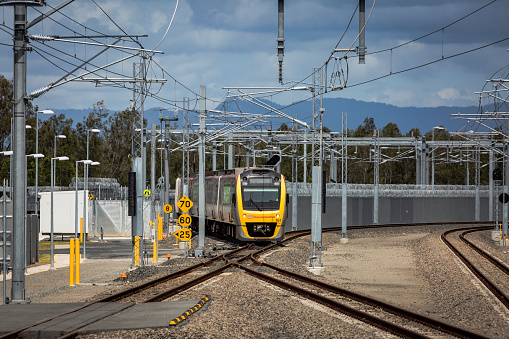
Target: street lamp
(85,188)
(58,136)
(52,265)
(433,156)
(44,111)
(76,197)
(85,203)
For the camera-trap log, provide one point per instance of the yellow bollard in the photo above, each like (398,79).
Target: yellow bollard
(154,244)
(77,259)
(71,262)
(81,229)
(136,251)
(159,226)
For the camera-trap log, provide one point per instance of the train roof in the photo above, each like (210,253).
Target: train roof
(234,171)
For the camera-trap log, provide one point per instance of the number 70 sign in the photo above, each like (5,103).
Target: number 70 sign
(185,204)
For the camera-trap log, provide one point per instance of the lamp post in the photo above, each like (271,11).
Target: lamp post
(52,265)
(44,111)
(58,136)
(76,197)
(433,156)
(85,201)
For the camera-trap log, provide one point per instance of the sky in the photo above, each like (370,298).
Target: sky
(229,43)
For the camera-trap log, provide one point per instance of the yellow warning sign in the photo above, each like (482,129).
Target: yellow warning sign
(184,234)
(184,220)
(90,196)
(146,193)
(167,208)
(185,204)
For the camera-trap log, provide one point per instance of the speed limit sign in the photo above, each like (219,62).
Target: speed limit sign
(167,208)
(184,234)
(184,220)
(185,204)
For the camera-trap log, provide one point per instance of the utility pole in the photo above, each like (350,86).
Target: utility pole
(280,36)
(201,153)
(18,156)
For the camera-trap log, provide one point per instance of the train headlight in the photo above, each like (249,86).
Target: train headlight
(277,216)
(244,181)
(244,216)
(276,181)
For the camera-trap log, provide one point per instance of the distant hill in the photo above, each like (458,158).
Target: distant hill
(424,118)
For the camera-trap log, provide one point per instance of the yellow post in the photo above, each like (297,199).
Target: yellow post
(71,263)
(154,244)
(81,229)
(159,227)
(77,258)
(136,251)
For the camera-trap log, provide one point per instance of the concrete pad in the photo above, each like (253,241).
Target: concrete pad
(17,316)
(316,270)
(152,315)
(74,321)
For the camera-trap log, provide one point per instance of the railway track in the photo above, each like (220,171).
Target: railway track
(387,317)
(490,271)
(152,287)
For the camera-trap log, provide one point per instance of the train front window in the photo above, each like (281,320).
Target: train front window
(260,198)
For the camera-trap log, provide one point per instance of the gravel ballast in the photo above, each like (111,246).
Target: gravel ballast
(409,267)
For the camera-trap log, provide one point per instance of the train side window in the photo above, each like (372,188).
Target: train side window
(196,193)
(226,195)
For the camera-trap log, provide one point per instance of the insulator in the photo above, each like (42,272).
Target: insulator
(40,37)
(38,93)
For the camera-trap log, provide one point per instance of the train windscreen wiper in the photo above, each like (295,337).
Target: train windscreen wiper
(251,200)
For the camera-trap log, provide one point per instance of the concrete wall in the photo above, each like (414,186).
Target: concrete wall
(394,207)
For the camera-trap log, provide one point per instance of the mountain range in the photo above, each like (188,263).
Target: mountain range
(423,118)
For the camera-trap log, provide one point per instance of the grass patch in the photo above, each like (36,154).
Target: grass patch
(44,259)
(46,245)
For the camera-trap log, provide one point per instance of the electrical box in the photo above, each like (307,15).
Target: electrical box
(63,211)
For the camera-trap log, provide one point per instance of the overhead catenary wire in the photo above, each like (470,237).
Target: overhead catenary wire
(171,21)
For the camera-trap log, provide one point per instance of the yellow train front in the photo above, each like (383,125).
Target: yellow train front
(246,204)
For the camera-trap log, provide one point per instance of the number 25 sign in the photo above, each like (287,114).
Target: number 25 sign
(184,234)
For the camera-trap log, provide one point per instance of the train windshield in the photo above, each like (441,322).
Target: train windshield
(261,198)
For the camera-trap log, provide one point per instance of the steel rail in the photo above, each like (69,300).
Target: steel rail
(398,311)
(352,312)
(123,294)
(485,254)
(501,296)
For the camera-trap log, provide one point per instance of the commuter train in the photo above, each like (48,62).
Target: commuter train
(248,204)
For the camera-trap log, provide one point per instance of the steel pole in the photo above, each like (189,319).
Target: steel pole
(4,238)
(18,157)
(201,203)
(37,168)
(491,168)
(76,205)
(166,172)
(85,200)
(52,263)
(153,171)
